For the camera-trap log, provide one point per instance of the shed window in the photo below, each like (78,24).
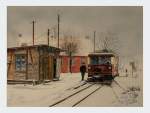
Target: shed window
(20,62)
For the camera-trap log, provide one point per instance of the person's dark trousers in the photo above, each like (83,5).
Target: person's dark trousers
(82,74)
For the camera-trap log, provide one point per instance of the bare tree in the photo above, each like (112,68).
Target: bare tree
(70,45)
(108,41)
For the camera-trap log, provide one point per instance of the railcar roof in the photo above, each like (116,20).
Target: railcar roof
(101,54)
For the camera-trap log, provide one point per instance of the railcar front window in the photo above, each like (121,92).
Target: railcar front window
(100,60)
(94,60)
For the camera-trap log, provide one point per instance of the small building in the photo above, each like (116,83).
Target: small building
(76,62)
(33,63)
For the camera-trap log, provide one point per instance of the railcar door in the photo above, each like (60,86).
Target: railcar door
(114,61)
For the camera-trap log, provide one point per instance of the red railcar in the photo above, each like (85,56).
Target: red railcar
(102,66)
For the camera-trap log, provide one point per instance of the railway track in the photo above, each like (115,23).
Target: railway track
(77,86)
(82,94)
(86,96)
(77,97)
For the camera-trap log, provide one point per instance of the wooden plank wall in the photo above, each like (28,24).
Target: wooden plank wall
(10,65)
(51,67)
(39,65)
(33,64)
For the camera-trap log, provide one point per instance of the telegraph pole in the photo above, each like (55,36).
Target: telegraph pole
(48,37)
(58,19)
(33,22)
(94,40)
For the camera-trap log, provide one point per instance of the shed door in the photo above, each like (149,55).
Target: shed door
(47,67)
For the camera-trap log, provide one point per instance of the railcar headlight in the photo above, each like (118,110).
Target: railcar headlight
(89,67)
(109,67)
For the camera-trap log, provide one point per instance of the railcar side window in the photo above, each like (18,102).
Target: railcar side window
(20,63)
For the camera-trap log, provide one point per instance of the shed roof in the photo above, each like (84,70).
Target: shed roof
(37,46)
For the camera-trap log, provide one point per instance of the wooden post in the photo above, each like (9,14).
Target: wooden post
(39,65)
(58,19)
(94,41)
(70,62)
(33,22)
(48,37)
(27,64)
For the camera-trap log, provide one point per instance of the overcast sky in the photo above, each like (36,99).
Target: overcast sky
(125,22)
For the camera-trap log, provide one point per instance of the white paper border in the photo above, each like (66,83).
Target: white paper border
(3,53)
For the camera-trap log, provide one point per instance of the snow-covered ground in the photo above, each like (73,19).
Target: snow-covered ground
(43,94)
(46,94)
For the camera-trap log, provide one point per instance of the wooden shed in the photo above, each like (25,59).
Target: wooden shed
(33,63)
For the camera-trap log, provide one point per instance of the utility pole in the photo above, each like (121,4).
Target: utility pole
(58,18)
(33,22)
(94,40)
(48,37)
